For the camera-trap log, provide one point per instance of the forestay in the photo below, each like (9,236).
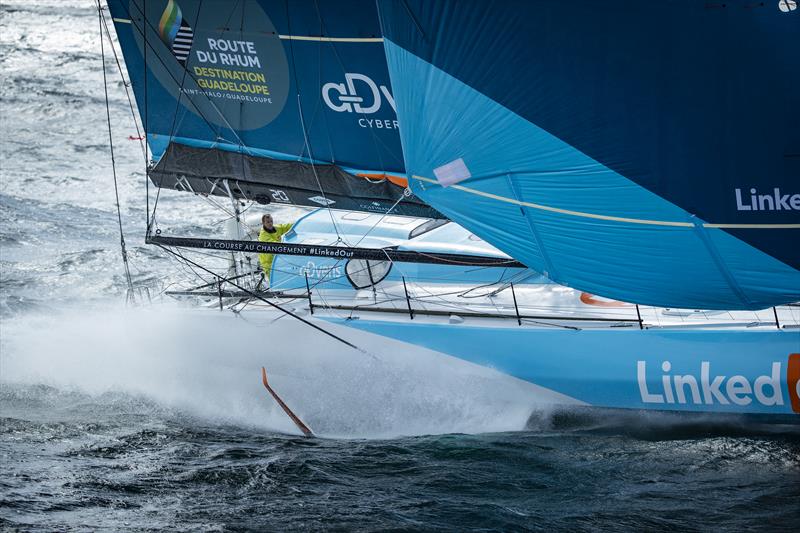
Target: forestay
(643,151)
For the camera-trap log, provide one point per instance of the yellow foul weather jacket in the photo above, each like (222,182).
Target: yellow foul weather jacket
(274,236)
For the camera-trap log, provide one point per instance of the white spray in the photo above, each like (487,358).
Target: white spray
(207,363)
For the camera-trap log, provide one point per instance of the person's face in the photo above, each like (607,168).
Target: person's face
(267,221)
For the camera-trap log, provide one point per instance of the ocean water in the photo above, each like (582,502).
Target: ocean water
(116,418)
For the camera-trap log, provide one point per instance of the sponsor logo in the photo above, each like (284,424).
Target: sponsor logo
(350,100)
(360,94)
(246,64)
(280,196)
(787,5)
(378,124)
(276,248)
(321,200)
(312,270)
(176,32)
(373,207)
(793,380)
(711,389)
(774,201)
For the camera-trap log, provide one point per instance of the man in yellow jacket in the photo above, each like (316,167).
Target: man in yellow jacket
(270,233)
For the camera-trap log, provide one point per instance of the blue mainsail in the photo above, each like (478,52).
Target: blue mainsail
(643,151)
(254,91)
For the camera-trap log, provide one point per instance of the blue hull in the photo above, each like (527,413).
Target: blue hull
(709,370)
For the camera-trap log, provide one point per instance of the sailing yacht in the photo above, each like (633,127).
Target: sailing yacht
(574,194)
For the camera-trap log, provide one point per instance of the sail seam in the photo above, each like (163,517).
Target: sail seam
(609,217)
(551,272)
(331,39)
(727,275)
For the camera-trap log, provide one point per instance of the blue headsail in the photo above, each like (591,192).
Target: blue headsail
(244,96)
(643,151)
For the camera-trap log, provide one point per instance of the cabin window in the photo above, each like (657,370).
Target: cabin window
(427,226)
(398,221)
(357,216)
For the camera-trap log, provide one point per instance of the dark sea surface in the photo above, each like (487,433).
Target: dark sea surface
(119,419)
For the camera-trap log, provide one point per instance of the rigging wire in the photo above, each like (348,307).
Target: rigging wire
(183,82)
(438,299)
(319,107)
(217,132)
(376,140)
(126,84)
(239,140)
(272,304)
(149,220)
(307,143)
(314,168)
(113,161)
(143,32)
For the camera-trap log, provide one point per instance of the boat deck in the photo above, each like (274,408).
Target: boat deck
(545,305)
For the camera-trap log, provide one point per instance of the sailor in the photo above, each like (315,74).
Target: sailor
(270,233)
